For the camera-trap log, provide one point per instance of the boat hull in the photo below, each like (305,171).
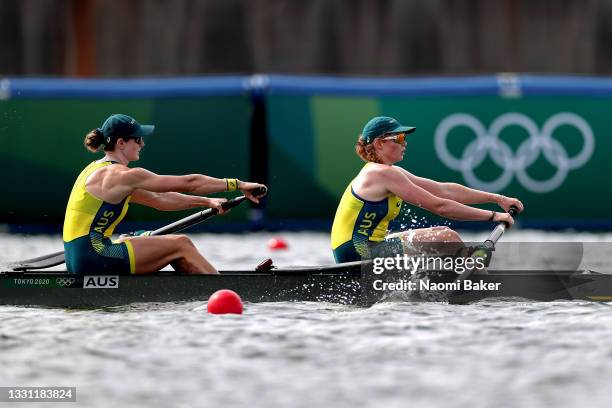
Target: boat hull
(346,284)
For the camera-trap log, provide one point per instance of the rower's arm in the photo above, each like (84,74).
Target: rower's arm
(434,187)
(128,180)
(397,182)
(460,193)
(139,178)
(172,201)
(468,195)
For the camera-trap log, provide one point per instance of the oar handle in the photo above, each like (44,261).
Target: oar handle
(513,211)
(201,216)
(257,192)
(229,204)
(499,230)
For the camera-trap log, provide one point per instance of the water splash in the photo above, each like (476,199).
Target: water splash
(409,219)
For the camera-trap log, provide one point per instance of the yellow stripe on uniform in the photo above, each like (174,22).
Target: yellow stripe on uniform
(130,249)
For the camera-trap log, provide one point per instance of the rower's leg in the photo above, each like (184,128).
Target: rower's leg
(154,253)
(195,262)
(416,240)
(436,234)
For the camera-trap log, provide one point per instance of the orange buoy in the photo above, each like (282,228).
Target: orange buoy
(277,243)
(224,301)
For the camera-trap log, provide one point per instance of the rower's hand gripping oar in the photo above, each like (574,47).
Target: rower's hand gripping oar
(485,250)
(202,216)
(57,258)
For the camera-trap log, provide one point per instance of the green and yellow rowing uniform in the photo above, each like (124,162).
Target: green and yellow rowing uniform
(359,223)
(88,226)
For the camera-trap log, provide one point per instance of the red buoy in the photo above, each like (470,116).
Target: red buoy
(224,301)
(277,243)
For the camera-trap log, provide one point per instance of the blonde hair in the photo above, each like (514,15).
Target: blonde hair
(366,151)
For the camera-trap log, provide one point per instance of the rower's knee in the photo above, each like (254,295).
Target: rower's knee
(183,242)
(449,235)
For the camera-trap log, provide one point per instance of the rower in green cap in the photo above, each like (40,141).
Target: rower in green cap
(101,195)
(374,198)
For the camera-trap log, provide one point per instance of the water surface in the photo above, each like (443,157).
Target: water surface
(394,354)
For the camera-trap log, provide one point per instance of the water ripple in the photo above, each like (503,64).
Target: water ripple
(492,353)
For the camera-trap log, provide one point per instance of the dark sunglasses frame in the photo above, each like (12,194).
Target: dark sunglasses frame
(137,139)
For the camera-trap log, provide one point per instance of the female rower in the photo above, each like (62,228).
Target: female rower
(375,196)
(102,192)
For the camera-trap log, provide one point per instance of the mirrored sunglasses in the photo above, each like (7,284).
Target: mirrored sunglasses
(399,138)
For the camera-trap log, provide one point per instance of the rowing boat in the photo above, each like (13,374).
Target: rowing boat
(354,283)
(349,283)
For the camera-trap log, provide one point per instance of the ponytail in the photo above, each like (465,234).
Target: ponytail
(95,139)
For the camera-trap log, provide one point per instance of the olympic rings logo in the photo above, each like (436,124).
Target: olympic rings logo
(487,142)
(65,282)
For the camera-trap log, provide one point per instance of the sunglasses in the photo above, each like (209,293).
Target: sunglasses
(137,139)
(399,138)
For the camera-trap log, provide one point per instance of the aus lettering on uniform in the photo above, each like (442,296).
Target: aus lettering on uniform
(366,223)
(103,221)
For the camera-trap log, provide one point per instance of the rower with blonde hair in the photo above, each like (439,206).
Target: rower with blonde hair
(375,196)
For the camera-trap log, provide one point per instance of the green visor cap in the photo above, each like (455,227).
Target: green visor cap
(119,125)
(382,125)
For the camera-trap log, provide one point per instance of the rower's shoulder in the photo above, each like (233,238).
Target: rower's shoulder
(116,174)
(129,175)
(376,170)
(111,169)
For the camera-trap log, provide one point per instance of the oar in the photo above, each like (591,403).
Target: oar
(485,250)
(202,216)
(57,258)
